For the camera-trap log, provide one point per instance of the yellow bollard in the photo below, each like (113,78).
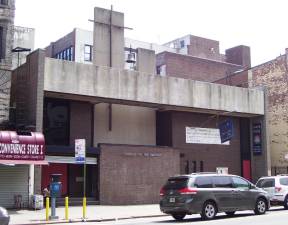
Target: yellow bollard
(47,208)
(84,208)
(66,208)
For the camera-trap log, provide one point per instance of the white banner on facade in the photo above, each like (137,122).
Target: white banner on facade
(197,135)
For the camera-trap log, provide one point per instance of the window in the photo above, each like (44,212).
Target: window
(201,166)
(240,183)
(187,167)
(66,54)
(182,44)
(176,183)
(161,70)
(265,183)
(88,53)
(203,182)
(4,2)
(2,43)
(284,181)
(222,182)
(56,121)
(194,166)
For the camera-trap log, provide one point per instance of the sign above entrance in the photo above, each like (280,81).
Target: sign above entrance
(197,135)
(29,147)
(226,130)
(80,151)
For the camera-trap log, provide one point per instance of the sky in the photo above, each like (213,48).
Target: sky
(260,24)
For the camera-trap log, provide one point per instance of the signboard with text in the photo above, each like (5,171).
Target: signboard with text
(80,151)
(257,138)
(22,147)
(226,130)
(197,135)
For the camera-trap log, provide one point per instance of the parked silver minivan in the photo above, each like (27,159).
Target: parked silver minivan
(208,194)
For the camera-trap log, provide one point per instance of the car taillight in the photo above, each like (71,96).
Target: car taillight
(278,189)
(187,191)
(162,192)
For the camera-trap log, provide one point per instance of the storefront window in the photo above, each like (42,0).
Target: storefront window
(56,121)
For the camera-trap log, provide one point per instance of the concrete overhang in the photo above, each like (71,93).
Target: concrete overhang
(79,81)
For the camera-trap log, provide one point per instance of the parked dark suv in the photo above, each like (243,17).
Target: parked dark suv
(208,194)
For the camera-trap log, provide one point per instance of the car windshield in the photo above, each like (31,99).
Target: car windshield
(176,183)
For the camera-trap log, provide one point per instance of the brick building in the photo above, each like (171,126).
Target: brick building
(7,9)
(271,76)
(200,59)
(140,128)
(16,185)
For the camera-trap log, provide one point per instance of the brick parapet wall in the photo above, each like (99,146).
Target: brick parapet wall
(131,174)
(194,68)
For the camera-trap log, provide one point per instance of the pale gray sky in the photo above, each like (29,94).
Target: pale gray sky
(260,24)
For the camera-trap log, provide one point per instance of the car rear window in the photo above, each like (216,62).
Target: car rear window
(222,182)
(203,182)
(176,183)
(266,183)
(284,181)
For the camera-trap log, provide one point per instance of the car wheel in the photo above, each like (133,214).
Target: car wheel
(230,213)
(209,211)
(286,202)
(179,216)
(260,207)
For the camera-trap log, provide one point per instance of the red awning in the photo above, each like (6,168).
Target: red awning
(24,162)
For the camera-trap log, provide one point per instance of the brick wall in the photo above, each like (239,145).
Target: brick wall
(131,174)
(238,79)
(27,80)
(7,24)
(274,76)
(212,155)
(80,122)
(239,55)
(61,44)
(189,67)
(204,48)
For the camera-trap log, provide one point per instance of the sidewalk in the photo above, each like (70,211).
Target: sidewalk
(94,213)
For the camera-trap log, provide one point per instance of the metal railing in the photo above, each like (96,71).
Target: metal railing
(279,170)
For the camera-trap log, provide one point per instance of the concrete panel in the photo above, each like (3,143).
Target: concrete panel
(146,61)
(102,42)
(130,125)
(82,38)
(80,79)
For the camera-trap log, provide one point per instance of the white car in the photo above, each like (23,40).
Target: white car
(4,217)
(277,187)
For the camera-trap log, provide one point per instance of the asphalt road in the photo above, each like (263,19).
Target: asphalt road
(276,216)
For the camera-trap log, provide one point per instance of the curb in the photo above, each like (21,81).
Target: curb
(88,220)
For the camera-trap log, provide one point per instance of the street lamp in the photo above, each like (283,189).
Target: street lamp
(20,49)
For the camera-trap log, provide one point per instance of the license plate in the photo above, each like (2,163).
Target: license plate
(171,199)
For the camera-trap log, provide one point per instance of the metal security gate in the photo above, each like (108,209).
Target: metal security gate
(14,185)
(279,170)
